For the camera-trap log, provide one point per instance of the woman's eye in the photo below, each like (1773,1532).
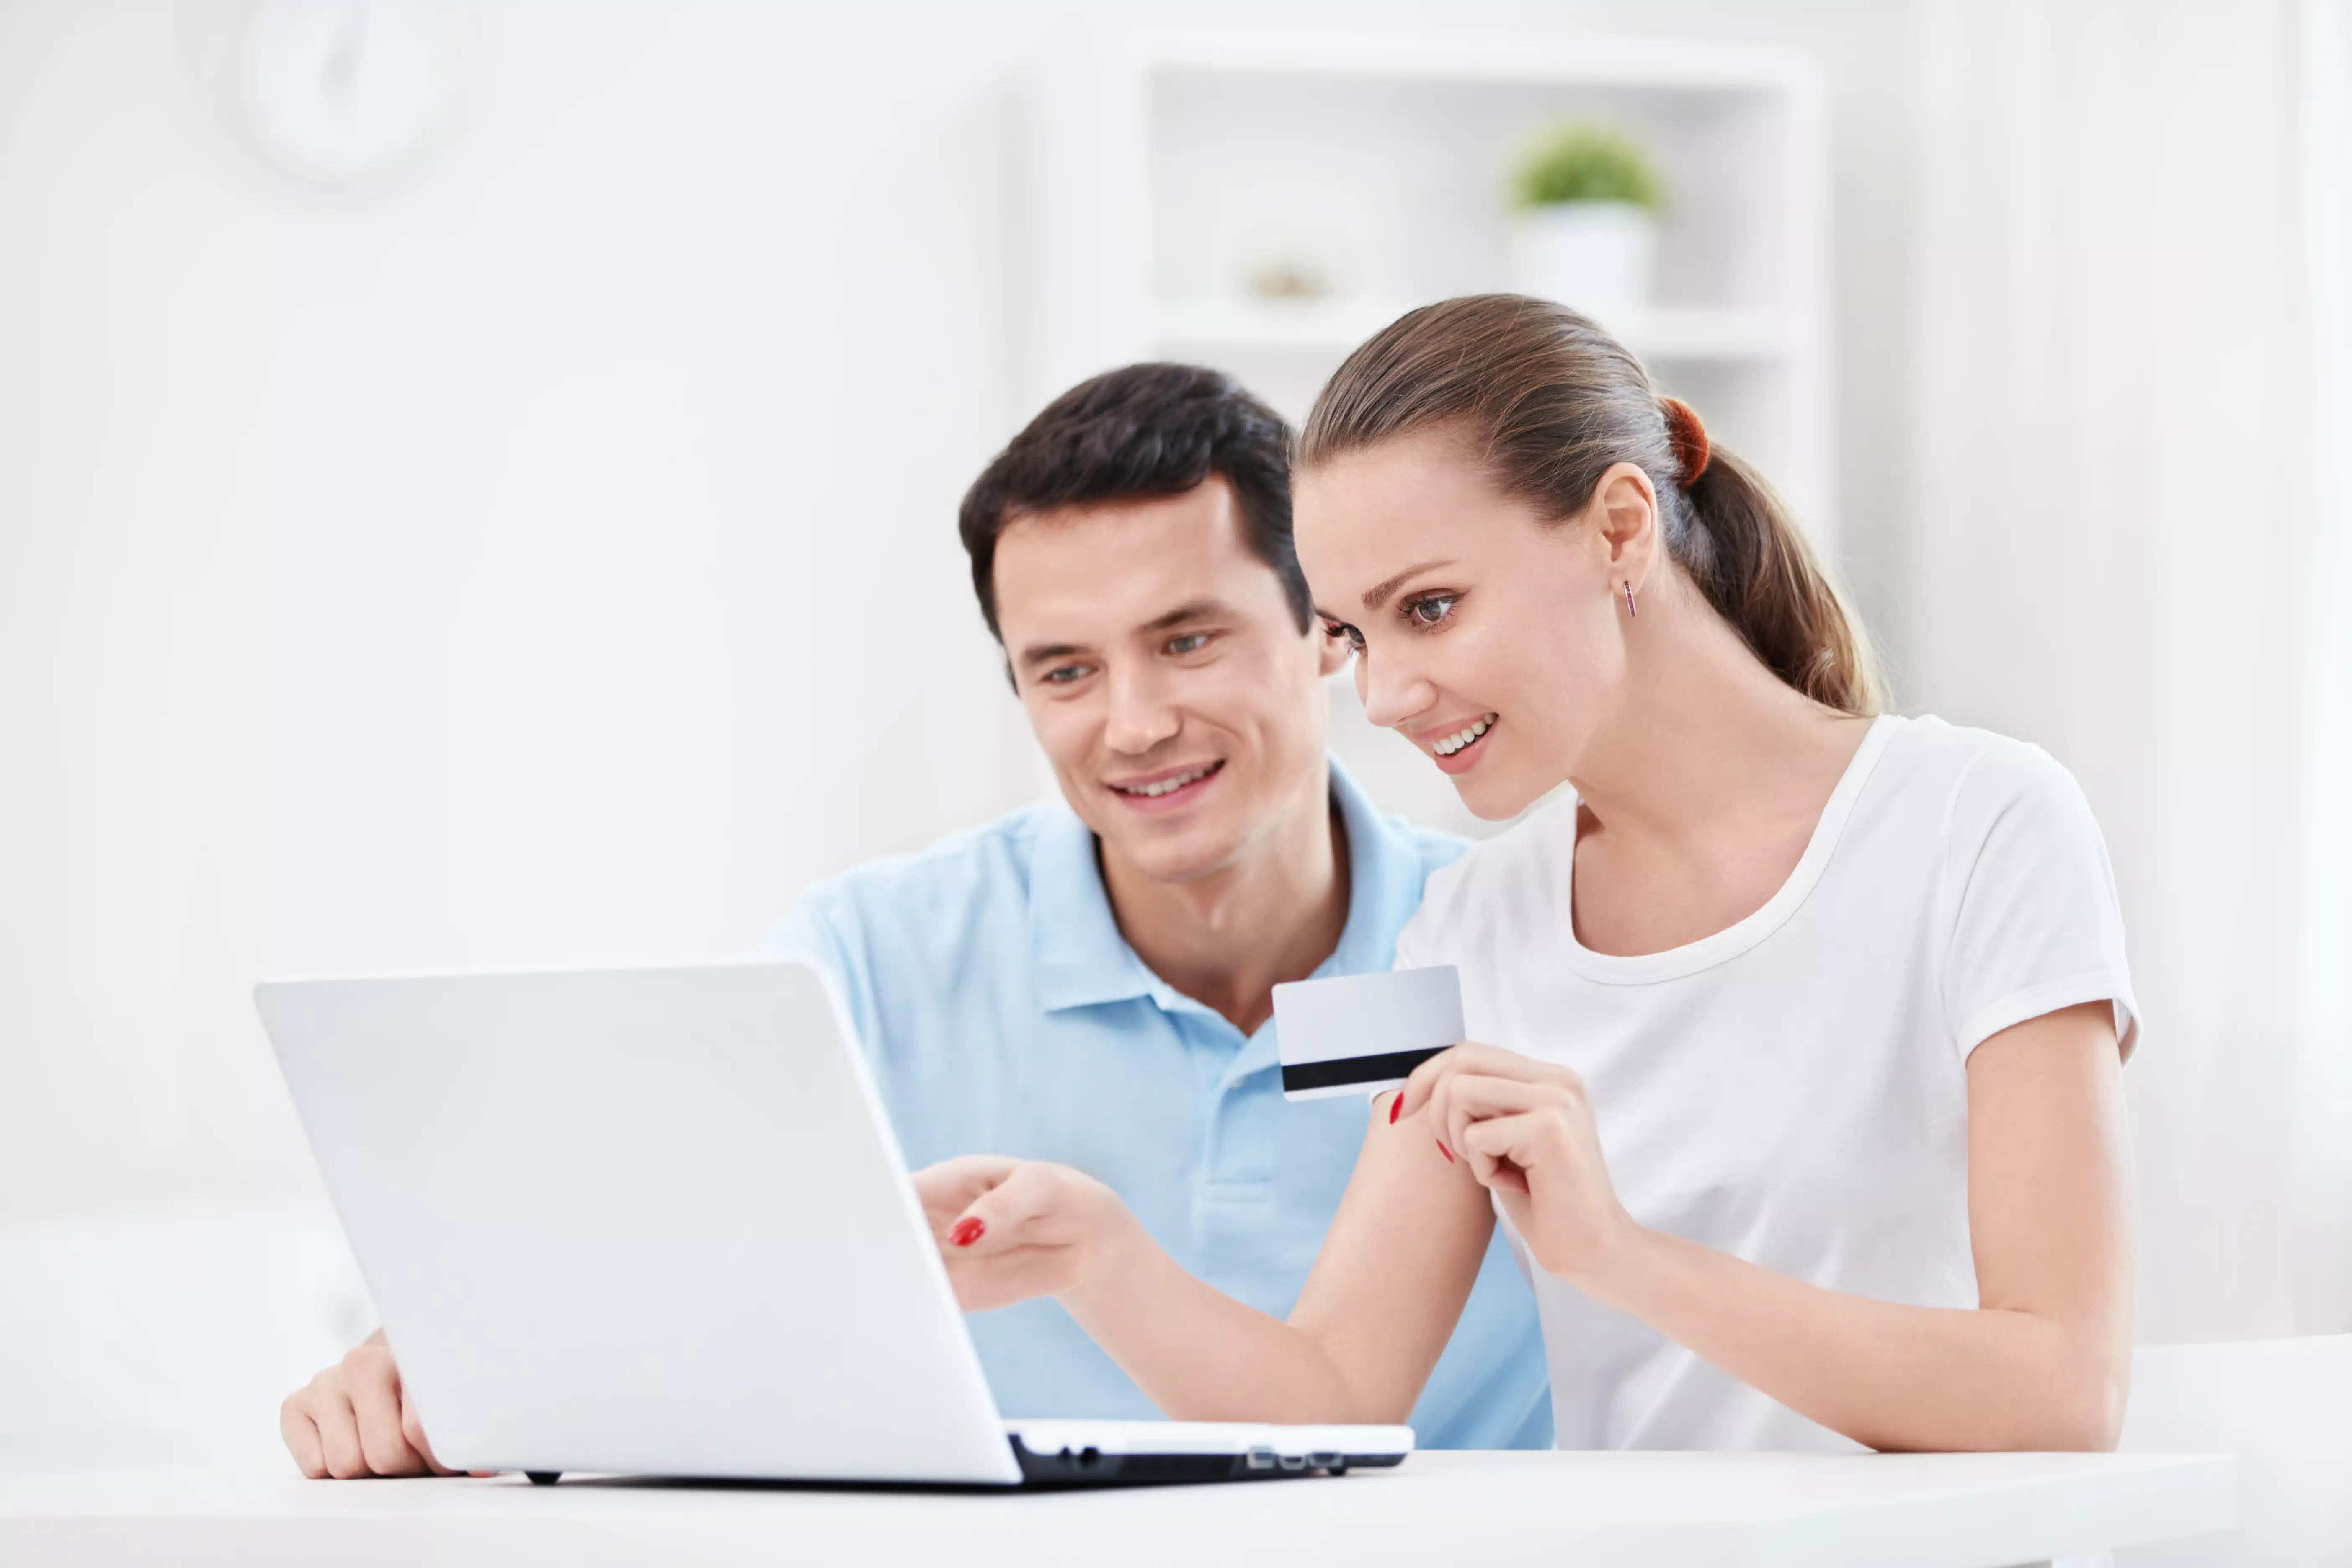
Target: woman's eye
(1429,612)
(1342,629)
(1190,642)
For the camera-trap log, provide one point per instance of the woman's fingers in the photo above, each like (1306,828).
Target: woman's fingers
(1030,1234)
(1502,1150)
(949,1187)
(1419,1085)
(1470,1057)
(1464,1099)
(1028,1207)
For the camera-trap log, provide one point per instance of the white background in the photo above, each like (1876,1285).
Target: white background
(548,555)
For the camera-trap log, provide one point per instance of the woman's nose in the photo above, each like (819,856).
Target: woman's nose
(1391,694)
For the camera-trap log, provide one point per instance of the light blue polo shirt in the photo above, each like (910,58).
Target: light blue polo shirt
(1006,1015)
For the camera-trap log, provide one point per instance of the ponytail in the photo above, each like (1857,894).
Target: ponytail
(1553,402)
(1759,571)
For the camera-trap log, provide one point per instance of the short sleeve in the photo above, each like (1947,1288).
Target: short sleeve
(1409,941)
(810,934)
(2035,923)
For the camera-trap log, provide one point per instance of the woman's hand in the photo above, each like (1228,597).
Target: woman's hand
(1526,1129)
(1014,1229)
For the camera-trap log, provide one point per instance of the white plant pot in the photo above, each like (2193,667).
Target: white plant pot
(1593,257)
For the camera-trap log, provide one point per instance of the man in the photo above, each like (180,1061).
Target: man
(1090,980)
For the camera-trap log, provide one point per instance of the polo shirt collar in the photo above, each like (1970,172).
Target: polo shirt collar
(1077,956)
(1078,959)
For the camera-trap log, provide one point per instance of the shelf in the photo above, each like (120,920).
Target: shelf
(1597,60)
(1377,162)
(1332,327)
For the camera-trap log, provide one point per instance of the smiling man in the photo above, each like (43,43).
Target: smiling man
(1090,980)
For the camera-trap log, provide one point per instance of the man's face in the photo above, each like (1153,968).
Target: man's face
(1164,674)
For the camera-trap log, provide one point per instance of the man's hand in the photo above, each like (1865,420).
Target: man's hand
(353,1419)
(1014,1229)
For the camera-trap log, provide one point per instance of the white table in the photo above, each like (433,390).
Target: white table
(1664,1511)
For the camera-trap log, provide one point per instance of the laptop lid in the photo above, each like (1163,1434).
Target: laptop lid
(648,1220)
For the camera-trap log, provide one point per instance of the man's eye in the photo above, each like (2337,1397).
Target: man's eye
(1342,629)
(1429,612)
(1190,642)
(1062,675)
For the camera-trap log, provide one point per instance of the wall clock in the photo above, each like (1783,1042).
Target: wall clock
(341,90)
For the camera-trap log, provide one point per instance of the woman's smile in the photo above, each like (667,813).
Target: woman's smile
(1457,747)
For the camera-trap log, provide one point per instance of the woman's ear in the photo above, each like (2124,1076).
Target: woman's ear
(1624,514)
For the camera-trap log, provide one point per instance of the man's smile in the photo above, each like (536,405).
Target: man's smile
(1167,788)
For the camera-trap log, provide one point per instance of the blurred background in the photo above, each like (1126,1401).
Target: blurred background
(478,480)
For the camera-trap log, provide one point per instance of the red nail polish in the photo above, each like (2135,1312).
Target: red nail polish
(1444,1150)
(967,1230)
(1396,1105)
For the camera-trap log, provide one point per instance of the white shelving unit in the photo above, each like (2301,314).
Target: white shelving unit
(1172,167)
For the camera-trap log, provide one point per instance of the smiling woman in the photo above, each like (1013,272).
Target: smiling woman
(1847,991)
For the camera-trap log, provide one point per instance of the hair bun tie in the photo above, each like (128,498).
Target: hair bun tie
(1689,436)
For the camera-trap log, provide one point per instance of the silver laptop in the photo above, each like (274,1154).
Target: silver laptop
(654,1221)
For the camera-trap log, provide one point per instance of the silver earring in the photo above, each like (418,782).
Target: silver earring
(1629,600)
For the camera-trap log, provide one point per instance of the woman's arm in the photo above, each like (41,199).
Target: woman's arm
(1384,1295)
(2043,1363)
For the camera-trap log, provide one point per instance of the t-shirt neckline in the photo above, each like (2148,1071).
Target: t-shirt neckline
(1673,963)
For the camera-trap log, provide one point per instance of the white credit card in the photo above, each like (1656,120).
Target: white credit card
(1360,1034)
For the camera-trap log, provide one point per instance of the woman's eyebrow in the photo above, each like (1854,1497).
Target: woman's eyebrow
(1378,594)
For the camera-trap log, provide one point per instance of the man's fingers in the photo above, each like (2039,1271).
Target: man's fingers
(301,1435)
(339,1430)
(373,1380)
(412,1428)
(375,1409)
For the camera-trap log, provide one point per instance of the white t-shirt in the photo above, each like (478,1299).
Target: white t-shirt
(1791,1090)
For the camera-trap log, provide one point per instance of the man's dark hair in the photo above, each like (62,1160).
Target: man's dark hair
(1141,430)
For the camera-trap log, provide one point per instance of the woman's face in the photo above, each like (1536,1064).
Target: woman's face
(1492,640)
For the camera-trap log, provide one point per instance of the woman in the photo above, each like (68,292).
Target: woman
(1799,1089)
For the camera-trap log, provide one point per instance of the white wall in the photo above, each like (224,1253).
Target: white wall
(550,557)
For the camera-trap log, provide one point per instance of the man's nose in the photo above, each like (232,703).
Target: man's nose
(1391,691)
(1140,714)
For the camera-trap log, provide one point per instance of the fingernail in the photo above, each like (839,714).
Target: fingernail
(1444,1150)
(967,1231)
(1396,1105)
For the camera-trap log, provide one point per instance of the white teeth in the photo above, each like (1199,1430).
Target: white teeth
(1461,738)
(1167,786)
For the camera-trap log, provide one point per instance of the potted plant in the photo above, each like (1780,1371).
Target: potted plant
(1585,228)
